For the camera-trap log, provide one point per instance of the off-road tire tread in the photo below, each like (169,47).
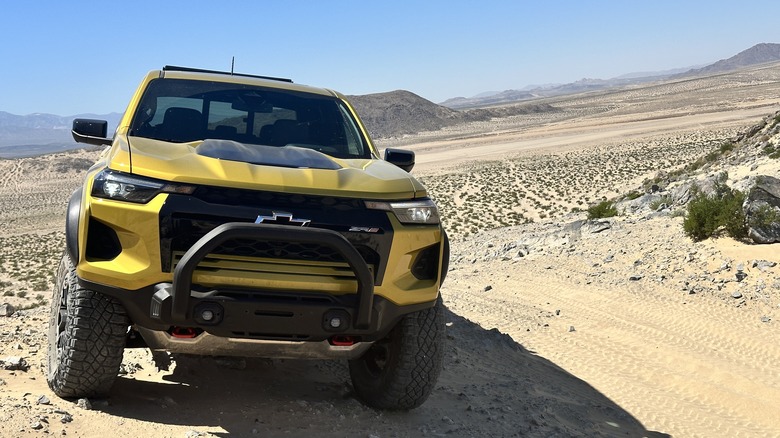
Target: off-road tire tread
(95,331)
(419,348)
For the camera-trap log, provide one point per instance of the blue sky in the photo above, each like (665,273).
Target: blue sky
(69,58)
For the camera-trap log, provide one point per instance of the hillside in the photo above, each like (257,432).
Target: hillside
(37,134)
(758,54)
(400,113)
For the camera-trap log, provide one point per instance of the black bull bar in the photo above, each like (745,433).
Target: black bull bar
(182,275)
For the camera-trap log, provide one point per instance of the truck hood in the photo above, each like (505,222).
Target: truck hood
(288,169)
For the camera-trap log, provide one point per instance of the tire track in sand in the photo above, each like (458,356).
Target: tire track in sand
(685,369)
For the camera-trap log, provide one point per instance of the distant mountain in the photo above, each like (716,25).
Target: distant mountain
(39,133)
(656,74)
(484,99)
(401,112)
(758,54)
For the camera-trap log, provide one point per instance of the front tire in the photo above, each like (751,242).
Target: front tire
(87,333)
(400,371)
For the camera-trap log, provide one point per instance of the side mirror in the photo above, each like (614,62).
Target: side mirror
(401,158)
(91,131)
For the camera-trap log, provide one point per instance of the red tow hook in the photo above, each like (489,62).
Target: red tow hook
(342,341)
(183,332)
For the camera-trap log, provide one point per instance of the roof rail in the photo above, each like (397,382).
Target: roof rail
(199,70)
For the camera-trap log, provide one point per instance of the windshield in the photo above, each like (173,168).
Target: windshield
(179,110)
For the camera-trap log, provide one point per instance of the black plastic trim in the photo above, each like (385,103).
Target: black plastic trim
(72,225)
(217,72)
(259,315)
(445,258)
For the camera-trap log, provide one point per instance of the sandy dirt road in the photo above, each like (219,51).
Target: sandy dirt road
(563,136)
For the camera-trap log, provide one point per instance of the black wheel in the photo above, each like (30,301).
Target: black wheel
(400,371)
(87,333)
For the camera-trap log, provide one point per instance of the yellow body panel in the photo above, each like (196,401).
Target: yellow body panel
(365,179)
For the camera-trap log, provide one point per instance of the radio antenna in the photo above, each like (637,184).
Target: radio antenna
(232,64)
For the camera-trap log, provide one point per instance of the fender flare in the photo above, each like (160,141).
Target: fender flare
(72,225)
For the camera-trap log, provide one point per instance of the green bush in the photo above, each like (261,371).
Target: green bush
(602,209)
(726,147)
(633,195)
(709,216)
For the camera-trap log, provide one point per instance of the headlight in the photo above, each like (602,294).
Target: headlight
(110,184)
(422,211)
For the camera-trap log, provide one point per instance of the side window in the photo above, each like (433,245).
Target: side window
(354,142)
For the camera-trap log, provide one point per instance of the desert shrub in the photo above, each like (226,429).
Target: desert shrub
(709,216)
(764,217)
(633,195)
(712,156)
(602,209)
(726,147)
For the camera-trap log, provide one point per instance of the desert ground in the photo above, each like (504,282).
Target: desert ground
(556,326)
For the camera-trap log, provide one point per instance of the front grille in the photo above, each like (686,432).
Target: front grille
(279,250)
(186,219)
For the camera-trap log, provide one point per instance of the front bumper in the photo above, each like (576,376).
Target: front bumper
(228,318)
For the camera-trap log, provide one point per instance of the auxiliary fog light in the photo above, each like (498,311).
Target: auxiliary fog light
(208,313)
(335,320)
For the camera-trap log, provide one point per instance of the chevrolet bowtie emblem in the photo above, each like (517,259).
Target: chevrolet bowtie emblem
(282,219)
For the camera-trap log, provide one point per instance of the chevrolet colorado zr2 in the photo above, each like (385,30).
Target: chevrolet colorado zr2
(240,215)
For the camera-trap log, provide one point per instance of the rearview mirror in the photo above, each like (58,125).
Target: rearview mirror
(401,158)
(91,131)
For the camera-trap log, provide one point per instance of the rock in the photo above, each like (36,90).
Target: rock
(43,400)
(740,275)
(84,403)
(763,265)
(762,210)
(36,425)
(736,295)
(596,226)
(635,277)
(7,309)
(571,328)
(766,319)
(66,418)
(14,363)
(487,288)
